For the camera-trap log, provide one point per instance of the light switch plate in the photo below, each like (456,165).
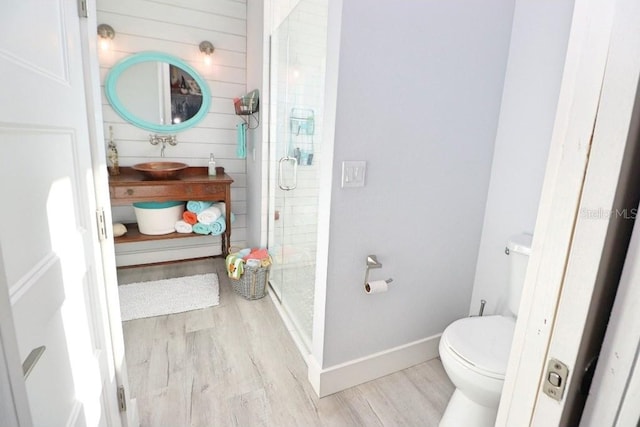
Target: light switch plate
(353,173)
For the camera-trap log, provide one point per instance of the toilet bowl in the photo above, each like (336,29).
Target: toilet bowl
(475,351)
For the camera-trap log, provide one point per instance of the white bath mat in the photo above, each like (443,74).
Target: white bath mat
(168,296)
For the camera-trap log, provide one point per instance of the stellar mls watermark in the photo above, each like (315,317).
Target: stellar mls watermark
(601,213)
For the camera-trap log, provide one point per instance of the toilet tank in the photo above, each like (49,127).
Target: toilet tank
(518,249)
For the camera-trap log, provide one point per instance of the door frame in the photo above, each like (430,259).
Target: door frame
(579,241)
(617,376)
(112,319)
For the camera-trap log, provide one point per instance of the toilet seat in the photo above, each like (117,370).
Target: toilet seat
(481,343)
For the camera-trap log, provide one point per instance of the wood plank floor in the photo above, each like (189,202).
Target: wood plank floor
(236,365)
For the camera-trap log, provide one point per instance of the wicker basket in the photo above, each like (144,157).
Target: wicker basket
(253,282)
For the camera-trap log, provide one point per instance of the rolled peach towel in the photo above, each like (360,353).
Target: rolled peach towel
(189,217)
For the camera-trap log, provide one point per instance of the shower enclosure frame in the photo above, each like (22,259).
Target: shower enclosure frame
(294,164)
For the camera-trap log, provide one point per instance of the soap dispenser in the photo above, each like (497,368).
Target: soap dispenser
(212,165)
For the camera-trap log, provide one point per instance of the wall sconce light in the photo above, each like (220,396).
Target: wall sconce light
(106,33)
(207,49)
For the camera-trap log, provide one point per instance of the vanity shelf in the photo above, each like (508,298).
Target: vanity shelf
(193,184)
(133,235)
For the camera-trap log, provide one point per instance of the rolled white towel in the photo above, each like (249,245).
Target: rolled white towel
(183,227)
(222,206)
(209,215)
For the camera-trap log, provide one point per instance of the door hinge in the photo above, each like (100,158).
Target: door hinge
(102,228)
(82,8)
(122,399)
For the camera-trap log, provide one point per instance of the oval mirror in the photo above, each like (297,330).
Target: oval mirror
(157,92)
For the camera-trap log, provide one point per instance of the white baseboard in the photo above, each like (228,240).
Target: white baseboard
(166,250)
(349,374)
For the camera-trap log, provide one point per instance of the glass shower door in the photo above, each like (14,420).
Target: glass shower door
(298,50)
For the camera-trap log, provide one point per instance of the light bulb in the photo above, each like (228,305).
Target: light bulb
(105,33)
(207,50)
(105,44)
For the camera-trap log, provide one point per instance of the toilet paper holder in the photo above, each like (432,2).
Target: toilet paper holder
(372,262)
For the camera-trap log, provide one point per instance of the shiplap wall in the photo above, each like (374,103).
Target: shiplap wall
(176,28)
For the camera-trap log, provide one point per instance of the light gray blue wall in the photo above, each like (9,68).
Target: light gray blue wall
(532,86)
(418,98)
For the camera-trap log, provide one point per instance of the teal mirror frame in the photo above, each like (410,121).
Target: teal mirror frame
(123,65)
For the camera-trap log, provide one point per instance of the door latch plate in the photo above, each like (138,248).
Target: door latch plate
(555,380)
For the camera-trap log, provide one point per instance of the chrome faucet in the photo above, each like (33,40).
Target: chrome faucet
(164,139)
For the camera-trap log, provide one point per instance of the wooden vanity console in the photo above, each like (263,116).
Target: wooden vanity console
(194,183)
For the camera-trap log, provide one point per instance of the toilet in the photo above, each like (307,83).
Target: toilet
(475,350)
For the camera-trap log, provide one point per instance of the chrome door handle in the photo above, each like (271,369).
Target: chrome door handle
(31,360)
(295,173)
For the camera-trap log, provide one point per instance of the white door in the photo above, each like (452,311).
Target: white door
(47,227)
(583,218)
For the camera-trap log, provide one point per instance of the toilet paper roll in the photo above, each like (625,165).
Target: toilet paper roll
(376,286)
